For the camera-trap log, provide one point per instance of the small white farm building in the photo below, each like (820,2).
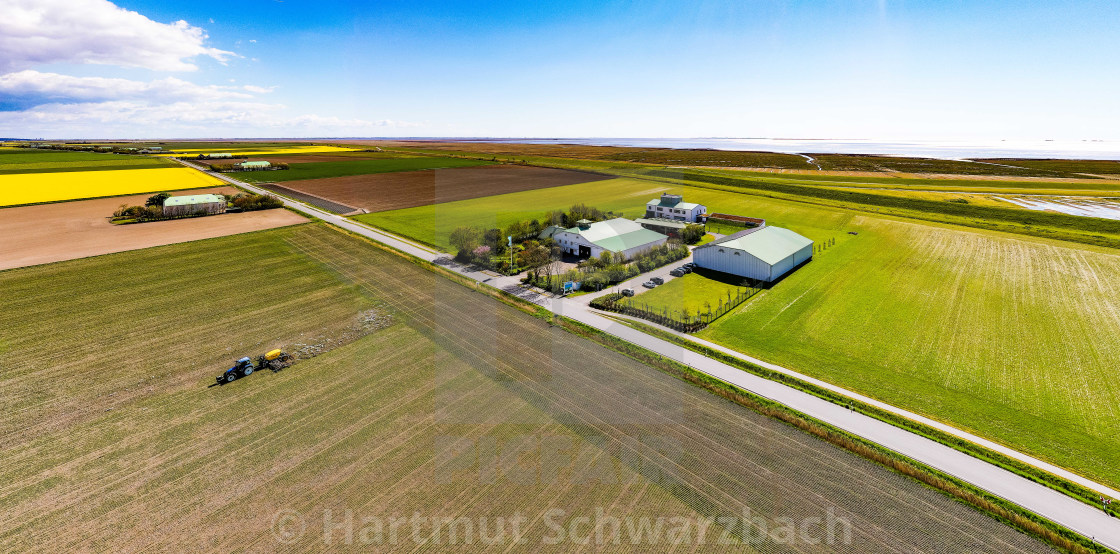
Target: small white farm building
(762,253)
(673,206)
(178,206)
(255,166)
(589,239)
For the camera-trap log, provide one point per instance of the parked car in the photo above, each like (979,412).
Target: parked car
(658,281)
(627,292)
(690,265)
(686,269)
(649,284)
(678,272)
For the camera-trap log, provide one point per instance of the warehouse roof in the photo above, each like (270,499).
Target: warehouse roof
(194,199)
(769,244)
(262,163)
(617,234)
(661,222)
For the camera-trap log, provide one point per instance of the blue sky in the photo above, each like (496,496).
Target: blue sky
(878,69)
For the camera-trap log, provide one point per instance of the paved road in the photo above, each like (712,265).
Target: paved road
(1085,519)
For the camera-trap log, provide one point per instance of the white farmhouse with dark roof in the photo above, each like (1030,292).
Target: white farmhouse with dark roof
(673,206)
(589,239)
(761,253)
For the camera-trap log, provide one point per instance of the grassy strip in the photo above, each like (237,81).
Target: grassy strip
(1017,467)
(1002,510)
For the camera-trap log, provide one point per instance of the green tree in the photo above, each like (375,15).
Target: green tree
(157,199)
(465,239)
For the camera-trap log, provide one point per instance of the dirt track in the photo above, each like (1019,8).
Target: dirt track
(68,230)
(407,189)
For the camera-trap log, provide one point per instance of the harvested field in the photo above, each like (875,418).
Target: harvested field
(392,191)
(311,199)
(68,230)
(302,158)
(358,166)
(464,408)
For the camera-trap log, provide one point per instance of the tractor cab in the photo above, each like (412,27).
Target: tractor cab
(241,368)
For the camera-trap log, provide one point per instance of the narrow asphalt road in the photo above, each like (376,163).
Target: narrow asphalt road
(1078,516)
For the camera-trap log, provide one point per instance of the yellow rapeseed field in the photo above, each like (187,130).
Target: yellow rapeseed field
(33,188)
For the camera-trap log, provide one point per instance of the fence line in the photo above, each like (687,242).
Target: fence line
(678,321)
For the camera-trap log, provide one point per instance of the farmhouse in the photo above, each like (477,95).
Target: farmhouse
(254,166)
(177,206)
(589,239)
(761,253)
(673,206)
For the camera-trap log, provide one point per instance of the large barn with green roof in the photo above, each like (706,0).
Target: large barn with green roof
(617,235)
(762,253)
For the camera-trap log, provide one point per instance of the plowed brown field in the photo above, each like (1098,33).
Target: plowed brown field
(392,191)
(68,230)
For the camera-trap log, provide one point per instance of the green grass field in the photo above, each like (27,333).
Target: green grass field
(25,160)
(111,418)
(691,292)
(1013,337)
(433,224)
(323,170)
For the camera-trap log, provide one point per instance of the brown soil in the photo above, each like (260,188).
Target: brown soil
(303,158)
(69,230)
(407,189)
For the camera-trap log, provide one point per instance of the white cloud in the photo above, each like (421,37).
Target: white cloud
(53,86)
(36,32)
(258,90)
(229,118)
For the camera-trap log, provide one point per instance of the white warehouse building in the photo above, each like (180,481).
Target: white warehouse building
(762,253)
(589,239)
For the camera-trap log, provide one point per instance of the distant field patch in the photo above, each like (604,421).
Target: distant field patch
(33,188)
(257,151)
(391,191)
(433,223)
(326,170)
(67,230)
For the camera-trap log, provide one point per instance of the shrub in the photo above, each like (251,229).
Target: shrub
(251,202)
(157,199)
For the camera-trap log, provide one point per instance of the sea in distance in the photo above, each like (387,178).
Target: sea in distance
(1036,149)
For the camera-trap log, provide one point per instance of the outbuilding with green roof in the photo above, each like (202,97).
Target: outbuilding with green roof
(617,235)
(762,253)
(180,206)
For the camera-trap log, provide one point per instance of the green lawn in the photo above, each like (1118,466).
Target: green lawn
(26,160)
(432,224)
(693,292)
(1013,337)
(322,170)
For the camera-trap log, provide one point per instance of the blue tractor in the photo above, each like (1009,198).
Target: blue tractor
(273,359)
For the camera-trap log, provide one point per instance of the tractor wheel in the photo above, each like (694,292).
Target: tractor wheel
(231,377)
(248,371)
